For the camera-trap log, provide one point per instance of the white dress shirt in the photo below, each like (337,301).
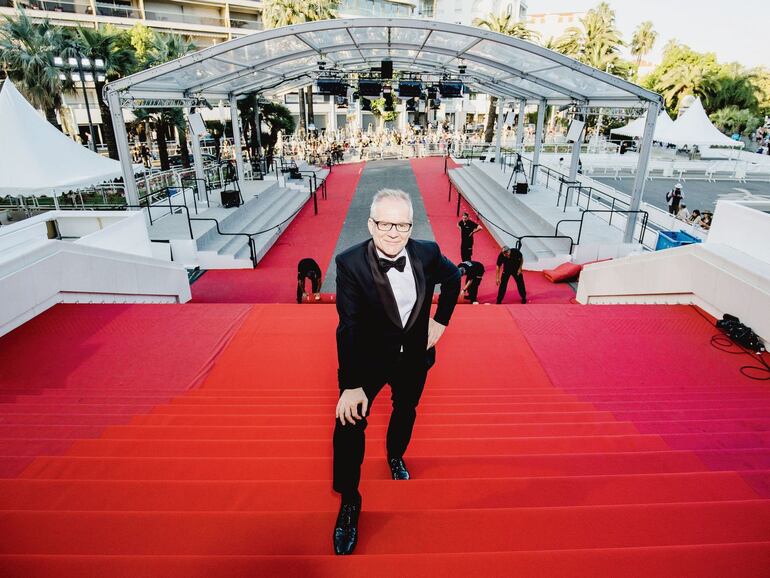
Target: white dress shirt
(403,285)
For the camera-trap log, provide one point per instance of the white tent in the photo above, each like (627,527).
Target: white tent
(37,159)
(695,128)
(635,128)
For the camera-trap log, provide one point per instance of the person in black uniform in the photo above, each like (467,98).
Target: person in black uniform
(385,335)
(509,263)
(308,269)
(467,228)
(473,271)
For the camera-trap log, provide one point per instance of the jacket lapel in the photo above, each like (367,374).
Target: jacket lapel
(419,280)
(382,285)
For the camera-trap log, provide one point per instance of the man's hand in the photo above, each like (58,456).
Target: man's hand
(347,406)
(435,331)
(497,280)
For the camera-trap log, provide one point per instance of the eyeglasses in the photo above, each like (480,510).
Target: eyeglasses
(400,227)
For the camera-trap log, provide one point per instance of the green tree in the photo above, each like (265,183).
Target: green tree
(732,119)
(27,52)
(731,86)
(166,47)
(503,23)
(277,13)
(114,48)
(760,78)
(596,42)
(141,39)
(682,71)
(248,107)
(642,43)
(278,119)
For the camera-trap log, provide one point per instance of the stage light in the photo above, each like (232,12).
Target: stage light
(331,86)
(451,89)
(409,89)
(370,88)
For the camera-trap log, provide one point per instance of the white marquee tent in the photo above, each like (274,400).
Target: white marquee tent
(38,159)
(635,128)
(695,128)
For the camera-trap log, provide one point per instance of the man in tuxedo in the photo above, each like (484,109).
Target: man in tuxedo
(385,335)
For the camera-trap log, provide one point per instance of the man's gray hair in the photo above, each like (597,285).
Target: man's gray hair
(383,194)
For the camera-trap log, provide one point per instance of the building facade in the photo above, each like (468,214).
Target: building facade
(208,22)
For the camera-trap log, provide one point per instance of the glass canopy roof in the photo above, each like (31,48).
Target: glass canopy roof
(276,61)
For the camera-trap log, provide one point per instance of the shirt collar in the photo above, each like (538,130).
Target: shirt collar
(382,255)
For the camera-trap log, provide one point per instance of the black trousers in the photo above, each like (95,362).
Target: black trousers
(504,286)
(406,385)
(316,283)
(466,250)
(473,289)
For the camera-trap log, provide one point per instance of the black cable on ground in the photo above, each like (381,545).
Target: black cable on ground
(723,343)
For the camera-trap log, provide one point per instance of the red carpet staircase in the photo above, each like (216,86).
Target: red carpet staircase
(542,449)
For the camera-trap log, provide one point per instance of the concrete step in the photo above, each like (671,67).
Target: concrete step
(499,206)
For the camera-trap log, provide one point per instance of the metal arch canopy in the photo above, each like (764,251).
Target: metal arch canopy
(281,59)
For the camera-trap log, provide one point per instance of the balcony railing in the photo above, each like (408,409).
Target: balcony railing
(69,7)
(117,10)
(160,16)
(246,24)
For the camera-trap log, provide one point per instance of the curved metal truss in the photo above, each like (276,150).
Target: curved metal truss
(276,61)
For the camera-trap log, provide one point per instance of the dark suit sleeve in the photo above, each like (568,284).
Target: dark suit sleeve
(348,308)
(448,276)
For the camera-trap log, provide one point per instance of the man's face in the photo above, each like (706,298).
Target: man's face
(465,218)
(393,211)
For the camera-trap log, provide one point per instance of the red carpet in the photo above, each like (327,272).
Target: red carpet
(562,442)
(75,369)
(434,186)
(309,235)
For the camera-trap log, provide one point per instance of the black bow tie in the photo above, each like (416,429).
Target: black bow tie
(399,264)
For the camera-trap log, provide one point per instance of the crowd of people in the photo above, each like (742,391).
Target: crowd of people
(678,208)
(762,138)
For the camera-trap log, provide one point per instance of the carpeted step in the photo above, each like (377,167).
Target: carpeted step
(418,494)
(383,532)
(749,560)
(301,448)
(373,431)
(433,467)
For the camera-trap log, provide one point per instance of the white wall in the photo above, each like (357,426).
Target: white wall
(127,234)
(729,273)
(744,226)
(113,264)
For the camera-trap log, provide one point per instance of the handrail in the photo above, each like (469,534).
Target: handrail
(311,182)
(642,232)
(252,251)
(507,232)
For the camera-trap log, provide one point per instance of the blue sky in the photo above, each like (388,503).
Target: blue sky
(738,30)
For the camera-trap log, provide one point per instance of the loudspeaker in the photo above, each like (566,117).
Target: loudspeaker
(230,199)
(386,69)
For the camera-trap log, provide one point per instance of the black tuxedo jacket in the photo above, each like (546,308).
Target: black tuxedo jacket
(370,335)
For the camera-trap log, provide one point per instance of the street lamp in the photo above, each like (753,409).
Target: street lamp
(95,69)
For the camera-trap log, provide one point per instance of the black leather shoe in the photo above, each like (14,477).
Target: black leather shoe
(346,529)
(398,469)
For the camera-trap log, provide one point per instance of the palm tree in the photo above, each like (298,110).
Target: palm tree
(27,51)
(596,41)
(277,13)
(678,81)
(114,48)
(642,43)
(503,23)
(166,47)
